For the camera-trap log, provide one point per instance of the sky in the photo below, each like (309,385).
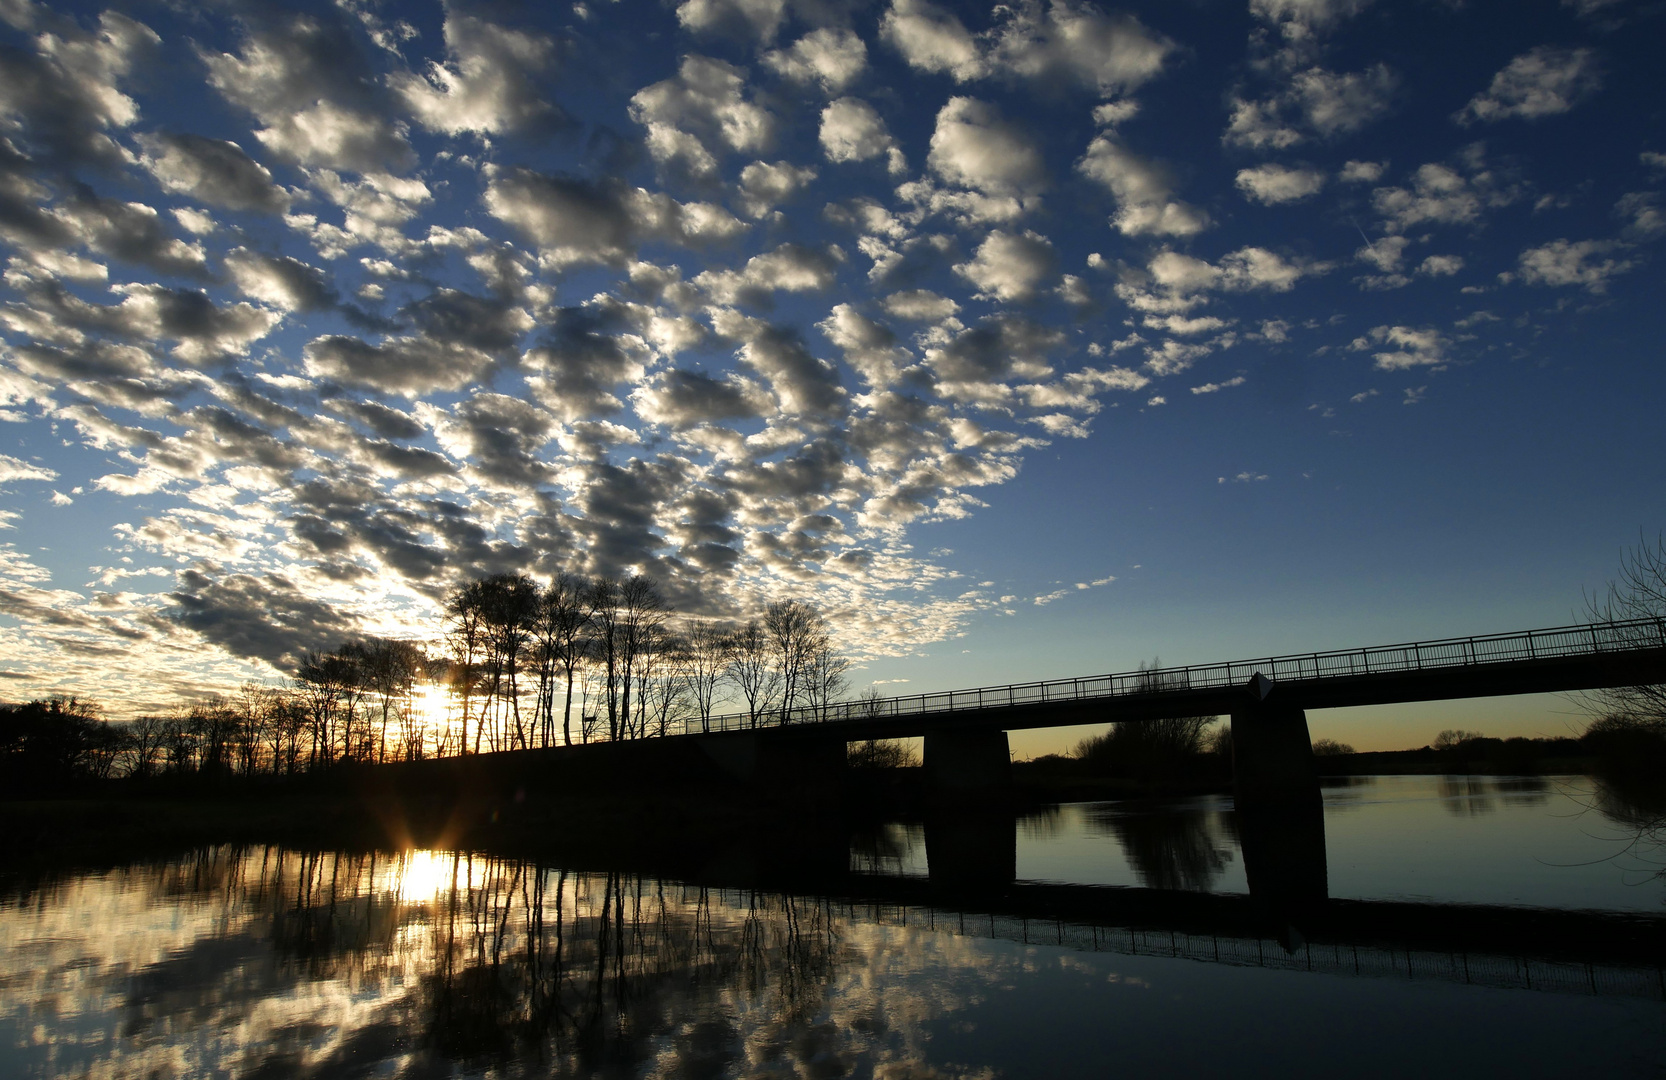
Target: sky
(1026,341)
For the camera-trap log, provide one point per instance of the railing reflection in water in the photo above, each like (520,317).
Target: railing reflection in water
(239,960)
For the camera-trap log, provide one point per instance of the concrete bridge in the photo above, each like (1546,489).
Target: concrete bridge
(965,731)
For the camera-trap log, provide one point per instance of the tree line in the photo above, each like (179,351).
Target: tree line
(518,664)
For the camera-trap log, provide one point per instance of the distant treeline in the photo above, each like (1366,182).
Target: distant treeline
(520,664)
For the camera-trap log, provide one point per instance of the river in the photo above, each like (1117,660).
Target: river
(1484,925)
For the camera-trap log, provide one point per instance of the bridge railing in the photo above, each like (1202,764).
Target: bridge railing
(1556,642)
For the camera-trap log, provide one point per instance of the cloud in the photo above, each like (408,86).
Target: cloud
(1440,195)
(804,385)
(62,102)
(1402,347)
(213,171)
(307,82)
(266,618)
(584,354)
(1541,82)
(1300,19)
(704,104)
(933,39)
(1440,265)
(1640,210)
(1244,270)
(788,268)
(852,130)
(485,86)
(11,469)
(761,19)
(1143,190)
(1272,185)
(1009,267)
(1316,102)
(1075,43)
(577,221)
(682,399)
(868,346)
(130,231)
(283,282)
(832,58)
(408,365)
(1362,172)
(974,147)
(764,185)
(1056,45)
(919,305)
(1562,262)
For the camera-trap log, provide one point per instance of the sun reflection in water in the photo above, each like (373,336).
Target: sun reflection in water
(422,875)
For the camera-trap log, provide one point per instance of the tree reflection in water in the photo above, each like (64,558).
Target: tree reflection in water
(288,963)
(1471,795)
(1186,846)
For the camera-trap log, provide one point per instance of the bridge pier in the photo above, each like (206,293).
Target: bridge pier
(1272,756)
(967,763)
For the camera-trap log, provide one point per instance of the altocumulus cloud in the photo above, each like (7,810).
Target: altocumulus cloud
(327,307)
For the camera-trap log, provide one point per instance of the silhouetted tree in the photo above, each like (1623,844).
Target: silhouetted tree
(1148,749)
(52,744)
(824,679)
(509,607)
(1639,593)
(465,634)
(145,735)
(601,607)
(560,630)
(706,659)
(796,632)
(641,615)
(390,670)
(751,669)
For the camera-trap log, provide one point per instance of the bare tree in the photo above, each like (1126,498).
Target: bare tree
(509,605)
(390,670)
(148,735)
(1639,593)
(641,614)
(796,632)
(751,668)
(465,634)
(601,607)
(705,661)
(560,631)
(824,679)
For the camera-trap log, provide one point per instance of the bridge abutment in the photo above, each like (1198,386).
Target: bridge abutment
(967,763)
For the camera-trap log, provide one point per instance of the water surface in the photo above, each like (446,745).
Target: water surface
(262,962)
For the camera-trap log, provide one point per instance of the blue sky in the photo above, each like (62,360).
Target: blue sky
(1026,342)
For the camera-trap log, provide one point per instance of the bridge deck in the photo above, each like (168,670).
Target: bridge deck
(1562,658)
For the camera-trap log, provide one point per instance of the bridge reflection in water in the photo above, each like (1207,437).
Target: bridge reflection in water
(305,963)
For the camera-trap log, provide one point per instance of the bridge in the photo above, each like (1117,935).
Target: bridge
(965,731)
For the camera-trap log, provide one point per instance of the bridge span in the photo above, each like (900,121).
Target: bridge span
(965,730)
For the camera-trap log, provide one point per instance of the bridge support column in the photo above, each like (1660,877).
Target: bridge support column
(967,763)
(1280,814)
(1272,757)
